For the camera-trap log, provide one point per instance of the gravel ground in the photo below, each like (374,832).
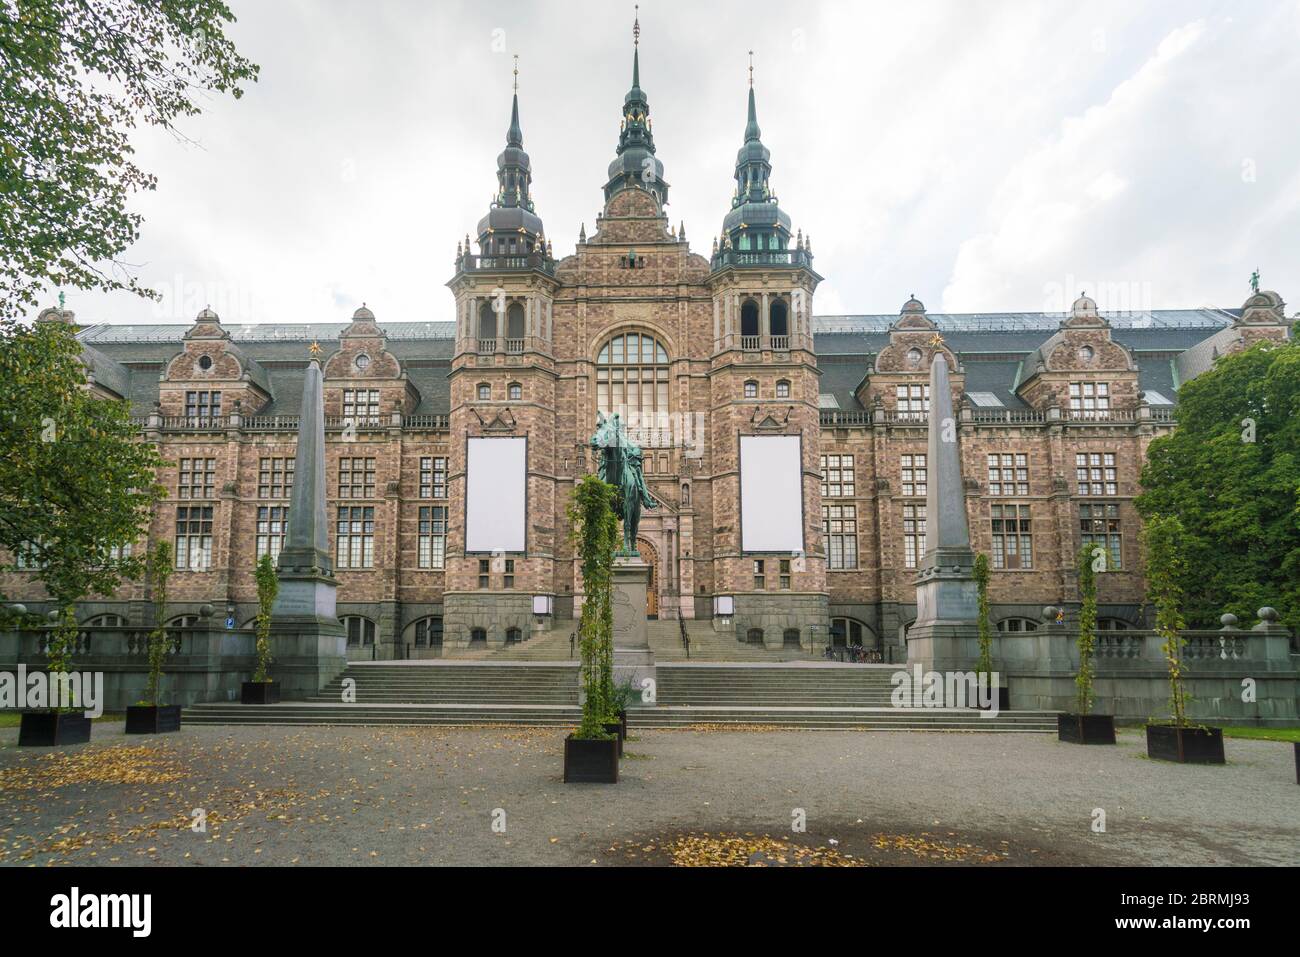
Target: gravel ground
(348,796)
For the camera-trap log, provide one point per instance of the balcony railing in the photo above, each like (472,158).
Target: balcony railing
(750,343)
(524,263)
(761,257)
(780,343)
(514,347)
(486,346)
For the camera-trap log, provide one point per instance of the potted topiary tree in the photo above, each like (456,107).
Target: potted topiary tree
(148,716)
(591,752)
(984,667)
(1082,727)
(1176,739)
(262,690)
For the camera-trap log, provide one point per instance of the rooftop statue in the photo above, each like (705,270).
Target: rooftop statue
(619,464)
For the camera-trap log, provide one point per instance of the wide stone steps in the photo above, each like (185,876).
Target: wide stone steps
(865,719)
(454,683)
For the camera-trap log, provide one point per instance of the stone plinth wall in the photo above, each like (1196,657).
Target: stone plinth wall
(494,613)
(777,613)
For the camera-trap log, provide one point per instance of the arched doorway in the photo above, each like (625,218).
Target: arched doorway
(651,558)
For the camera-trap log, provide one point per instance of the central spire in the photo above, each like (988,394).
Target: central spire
(635,165)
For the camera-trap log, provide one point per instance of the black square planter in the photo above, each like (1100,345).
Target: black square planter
(153,719)
(588,761)
(259,692)
(1085,728)
(622,719)
(1185,745)
(44,729)
(616,729)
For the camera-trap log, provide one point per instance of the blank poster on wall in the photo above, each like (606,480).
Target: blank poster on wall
(496,494)
(771,493)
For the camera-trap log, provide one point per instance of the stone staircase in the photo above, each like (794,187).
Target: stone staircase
(807,695)
(665,639)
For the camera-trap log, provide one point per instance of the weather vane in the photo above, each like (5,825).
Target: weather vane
(516,72)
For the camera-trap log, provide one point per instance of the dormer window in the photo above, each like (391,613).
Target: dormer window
(914,356)
(1086,353)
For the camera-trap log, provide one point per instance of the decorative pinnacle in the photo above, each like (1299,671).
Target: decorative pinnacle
(751,69)
(516,72)
(636,26)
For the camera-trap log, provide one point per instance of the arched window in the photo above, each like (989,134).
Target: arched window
(749,318)
(428,632)
(515,391)
(1112,624)
(850,631)
(782,388)
(477,636)
(487,321)
(514,636)
(1012,626)
(754,636)
(484,392)
(632,378)
(778,317)
(790,638)
(360,631)
(515,321)
(751,389)
(105,621)
(179,623)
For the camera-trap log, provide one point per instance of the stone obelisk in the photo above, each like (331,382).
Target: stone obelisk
(307,640)
(942,637)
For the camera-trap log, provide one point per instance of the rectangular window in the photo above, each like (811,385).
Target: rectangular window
(1090,400)
(484,567)
(433,536)
(840,523)
(837,476)
(272,524)
(913,535)
(760,579)
(913,400)
(509,578)
(27,557)
(196,478)
(275,478)
(1099,525)
(356,478)
(194,537)
(914,476)
(1095,473)
(1009,474)
(433,477)
(202,407)
(1012,537)
(361,406)
(355,542)
(784,565)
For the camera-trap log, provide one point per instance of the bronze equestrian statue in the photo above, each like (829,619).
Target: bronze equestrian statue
(619,464)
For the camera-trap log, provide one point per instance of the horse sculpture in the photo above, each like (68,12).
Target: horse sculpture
(619,460)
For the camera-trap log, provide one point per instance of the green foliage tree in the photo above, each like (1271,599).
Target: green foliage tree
(985,664)
(596,537)
(1166,569)
(77,485)
(1087,640)
(1230,473)
(75,79)
(158,569)
(268,586)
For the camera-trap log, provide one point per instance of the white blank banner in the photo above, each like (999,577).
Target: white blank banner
(496,493)
(771,494)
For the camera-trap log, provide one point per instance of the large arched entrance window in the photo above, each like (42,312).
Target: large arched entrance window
(632,378)
(779,318)
(749,318)
(850,631)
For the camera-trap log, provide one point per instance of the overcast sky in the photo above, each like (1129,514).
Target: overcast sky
(985,156)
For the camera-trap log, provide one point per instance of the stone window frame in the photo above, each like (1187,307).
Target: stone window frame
(760,574)
(1096,474)
(615,370)
(361,407)
(361,631)
(1008,473)
(839,478)
(272,528)
(196,478)
(515,392)
(1012,549)
(431,548)
(275,476)
(194,524)
(912,400)
(1090,399)
(433,476)
(914,534)
(202,405)
(783,388)
(484,391)
(356,477)
(840,526)
(423,631)
(1105,530)
(354,543)
(914,474)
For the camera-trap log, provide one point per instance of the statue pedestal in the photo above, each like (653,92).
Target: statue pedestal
(633,659)
(308,645)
